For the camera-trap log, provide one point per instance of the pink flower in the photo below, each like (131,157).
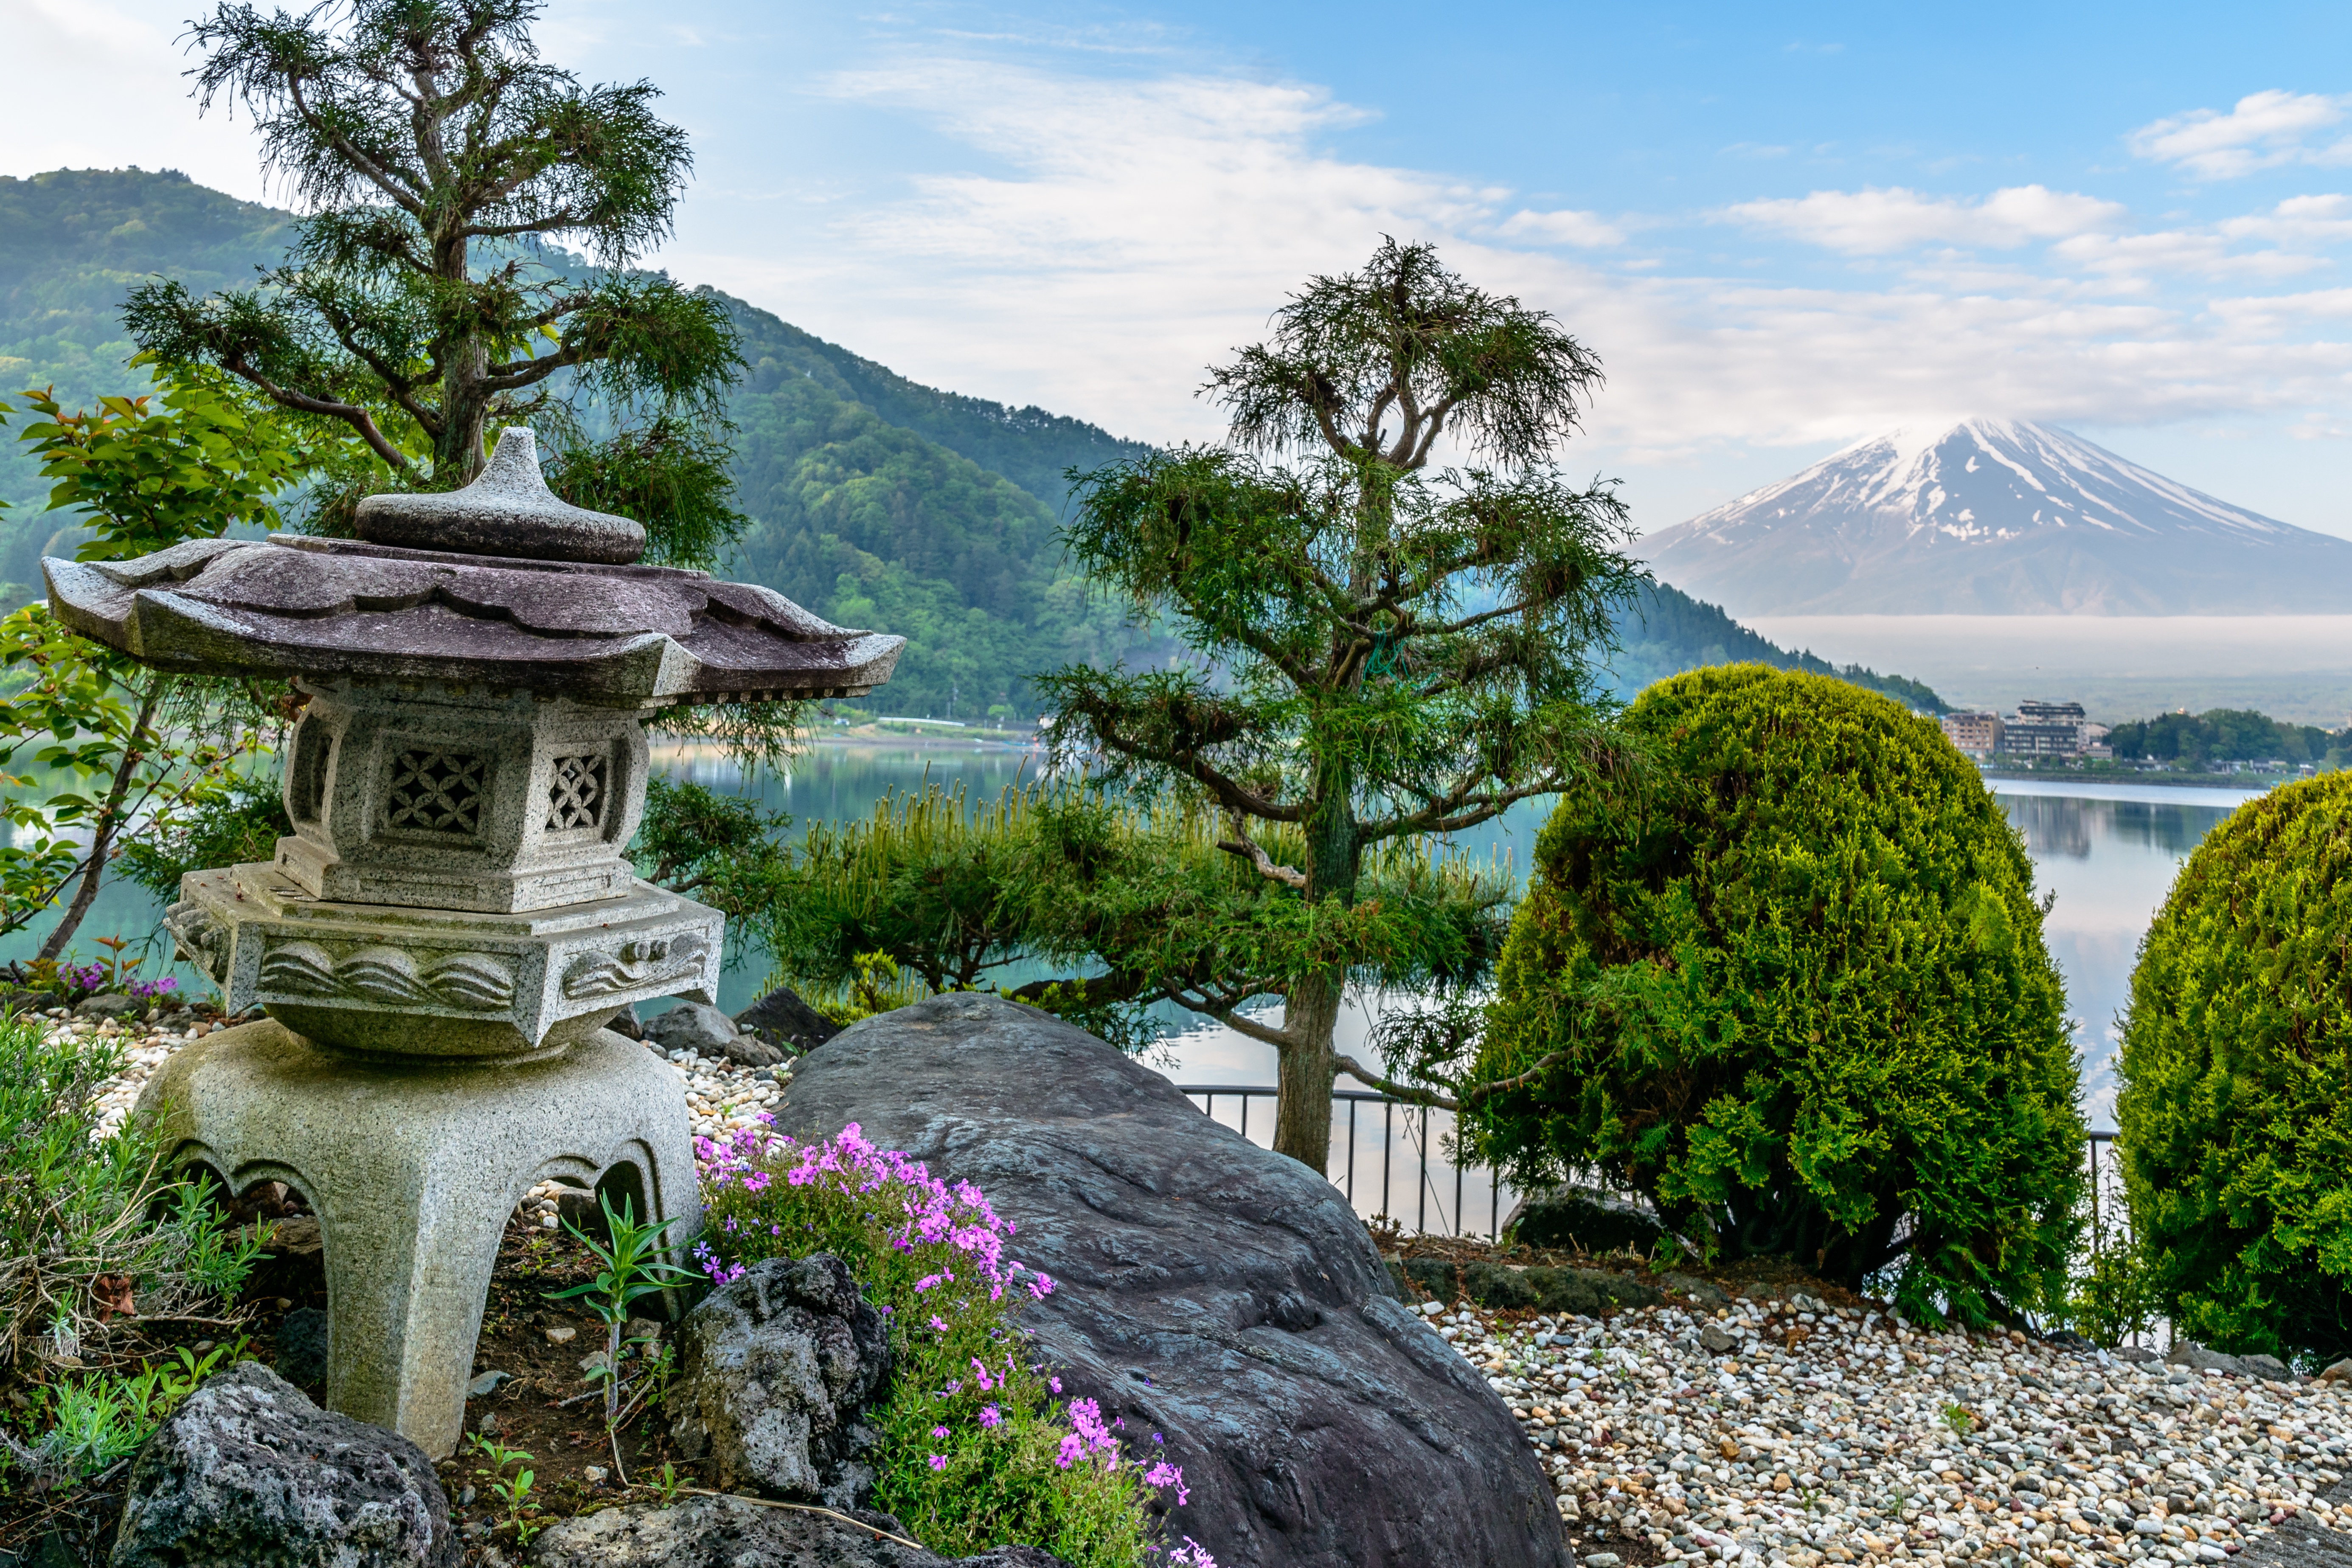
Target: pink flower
(1072,1447)
(1164,1474)
(938,1431)
(938,1324)
(1054,1384)
(988,1415)
(939,1462)
(979,1371)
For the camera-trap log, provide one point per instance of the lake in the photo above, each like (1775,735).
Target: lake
(2109,853)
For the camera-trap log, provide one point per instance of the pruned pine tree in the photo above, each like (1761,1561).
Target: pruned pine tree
(416,311)
(1384,650)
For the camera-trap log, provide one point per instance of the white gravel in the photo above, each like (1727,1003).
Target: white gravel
(1867,1441)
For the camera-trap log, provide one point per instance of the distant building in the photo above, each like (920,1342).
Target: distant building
(1975,734)
(2045,730)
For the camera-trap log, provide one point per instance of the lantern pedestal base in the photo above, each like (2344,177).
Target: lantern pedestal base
(413,1169)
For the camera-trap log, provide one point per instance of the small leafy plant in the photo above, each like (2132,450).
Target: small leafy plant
(633,1269)
(97,1237)
(512,1490)
(1957,1417)
(978,1446)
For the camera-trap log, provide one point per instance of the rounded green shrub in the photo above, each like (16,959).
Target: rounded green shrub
(1798,996)
(2235,1118)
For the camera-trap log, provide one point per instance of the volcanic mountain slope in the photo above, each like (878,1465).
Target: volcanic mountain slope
(1996,517)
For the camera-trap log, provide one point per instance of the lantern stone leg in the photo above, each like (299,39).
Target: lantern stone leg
(414,1170)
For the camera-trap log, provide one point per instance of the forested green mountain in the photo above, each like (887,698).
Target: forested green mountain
(1666,632)
(875,502)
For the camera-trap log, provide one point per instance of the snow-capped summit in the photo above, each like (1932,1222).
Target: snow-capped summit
(1996,517)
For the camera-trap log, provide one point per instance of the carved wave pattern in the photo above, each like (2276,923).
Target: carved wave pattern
(660,961)
(469,982)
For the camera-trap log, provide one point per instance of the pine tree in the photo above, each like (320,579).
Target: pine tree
(1385,652)
(420,306)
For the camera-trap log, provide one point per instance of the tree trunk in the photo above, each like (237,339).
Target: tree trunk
(1302,1117)
(101,838)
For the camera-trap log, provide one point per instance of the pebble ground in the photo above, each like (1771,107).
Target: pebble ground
(1790,1433)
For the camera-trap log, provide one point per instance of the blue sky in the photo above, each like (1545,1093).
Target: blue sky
(1782,229)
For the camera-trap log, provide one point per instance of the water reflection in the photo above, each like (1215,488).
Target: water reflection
(2109,854)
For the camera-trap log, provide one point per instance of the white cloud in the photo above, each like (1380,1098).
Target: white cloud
(1586,230)
(1878,221)
(67,56)
(1109,239)
(2264,131)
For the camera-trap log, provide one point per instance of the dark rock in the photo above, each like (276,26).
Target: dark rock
(750,1051)
(624,1023)
(1706,1293)
(1437,1277)
(2268,1366)
(774,1370)
(26,1004)
(783,1015)
(302,1347)
(1210,1289)
(734,1532)
(1499,1286)
(249,1474)
(1580,1292)
(1582,1217)
(2136,1354)
(105,1005)
(1715,1342)
(2196,1358)
(692,1026)
(2068,1340)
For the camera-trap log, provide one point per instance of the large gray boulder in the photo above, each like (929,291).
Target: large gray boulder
(774,1373)
(250,1474)
(1210,1290)
(731,1532)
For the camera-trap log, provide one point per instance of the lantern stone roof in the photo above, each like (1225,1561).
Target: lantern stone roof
(557,615)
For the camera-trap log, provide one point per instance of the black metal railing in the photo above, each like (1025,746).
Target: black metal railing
(1341,1173)
(1426,1186)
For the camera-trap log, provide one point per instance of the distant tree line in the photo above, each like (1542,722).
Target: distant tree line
(2193,740)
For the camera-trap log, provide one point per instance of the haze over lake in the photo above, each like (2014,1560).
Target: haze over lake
(2296,668)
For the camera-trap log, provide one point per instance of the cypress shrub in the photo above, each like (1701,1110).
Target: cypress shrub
(2235,1118)
(1799,999)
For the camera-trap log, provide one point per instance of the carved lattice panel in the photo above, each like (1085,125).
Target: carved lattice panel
(436,792)
(575,793)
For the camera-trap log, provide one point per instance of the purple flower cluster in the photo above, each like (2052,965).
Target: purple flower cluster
(905,1208)
(927,1211)
(153,987)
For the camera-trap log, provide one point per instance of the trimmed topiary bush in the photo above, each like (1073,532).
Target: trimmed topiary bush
(1799,997)
(2235,1114)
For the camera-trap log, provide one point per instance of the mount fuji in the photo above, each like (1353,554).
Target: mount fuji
(1996,517)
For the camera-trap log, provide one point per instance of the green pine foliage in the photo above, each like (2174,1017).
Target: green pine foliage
(1800,999)
(2235,1111)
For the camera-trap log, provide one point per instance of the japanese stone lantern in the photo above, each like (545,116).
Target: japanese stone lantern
(440,941)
